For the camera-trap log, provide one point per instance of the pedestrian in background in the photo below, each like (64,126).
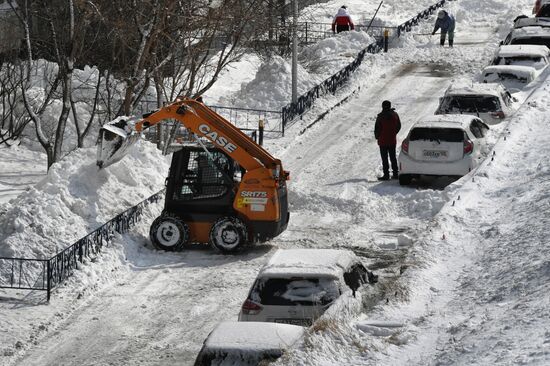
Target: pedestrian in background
(342,21)
(386,128)
(446,22)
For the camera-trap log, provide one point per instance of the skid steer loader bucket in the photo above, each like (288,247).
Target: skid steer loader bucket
(114,142)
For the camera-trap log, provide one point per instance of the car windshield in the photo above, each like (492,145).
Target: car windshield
(295,291)
(494,77)
(540,41)
(436,134)
(470,104)
(533,61)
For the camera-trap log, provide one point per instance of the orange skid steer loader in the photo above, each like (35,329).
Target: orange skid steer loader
(225,189)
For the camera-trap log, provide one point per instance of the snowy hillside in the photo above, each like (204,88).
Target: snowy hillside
(463,267)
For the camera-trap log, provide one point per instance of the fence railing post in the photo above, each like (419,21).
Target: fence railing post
(48,280)
(261,132)
(386,39)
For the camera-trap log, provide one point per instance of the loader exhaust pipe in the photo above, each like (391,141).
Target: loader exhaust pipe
(114,140)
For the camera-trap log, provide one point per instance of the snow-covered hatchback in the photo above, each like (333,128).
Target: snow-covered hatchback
(296,286)
(446,145)
(514,78)
(535,35)
(489,101)
(247,344)
(534,56)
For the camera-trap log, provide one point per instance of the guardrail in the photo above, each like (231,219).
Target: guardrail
(294,110)
(15,273)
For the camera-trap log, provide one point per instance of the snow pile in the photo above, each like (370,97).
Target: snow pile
(332,54)
(75,198)
(271,88)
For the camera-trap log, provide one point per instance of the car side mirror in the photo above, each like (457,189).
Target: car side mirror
(501,43)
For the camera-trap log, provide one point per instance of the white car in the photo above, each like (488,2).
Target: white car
(445,145)
(247,344)
(534,56)
(524,21)
(534,35)
(296,286)
(491,102)
(514,78)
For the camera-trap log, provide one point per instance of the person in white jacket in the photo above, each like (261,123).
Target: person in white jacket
(342,21)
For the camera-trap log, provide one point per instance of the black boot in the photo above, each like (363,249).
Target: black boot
(384,177)
(395,176)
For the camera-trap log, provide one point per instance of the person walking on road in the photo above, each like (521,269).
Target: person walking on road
(446,22)
(386,128)
(342,21)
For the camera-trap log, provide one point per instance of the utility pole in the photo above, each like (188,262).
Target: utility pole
(295,51)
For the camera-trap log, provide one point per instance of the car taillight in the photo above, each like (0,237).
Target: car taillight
(405,146)
(250,308)
(468,147)
(497,114)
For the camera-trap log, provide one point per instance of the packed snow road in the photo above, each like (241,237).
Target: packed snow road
(161,306)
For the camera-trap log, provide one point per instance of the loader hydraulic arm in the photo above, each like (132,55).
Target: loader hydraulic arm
(204,122)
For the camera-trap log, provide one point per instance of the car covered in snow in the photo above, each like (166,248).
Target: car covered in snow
(297,286)
(530,22)
(514,78)
(247,343)
(444,145)
(491,102)
(535,35)
(534,56)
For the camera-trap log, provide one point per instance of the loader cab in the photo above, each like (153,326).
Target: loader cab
(200,183)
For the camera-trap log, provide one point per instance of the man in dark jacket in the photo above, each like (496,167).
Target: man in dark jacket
(386,128)
(446,22)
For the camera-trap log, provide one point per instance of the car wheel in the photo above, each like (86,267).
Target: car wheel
(228,234)
(169,233)
(405,179)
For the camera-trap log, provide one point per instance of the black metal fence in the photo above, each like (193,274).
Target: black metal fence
(248,119)
(292,111)
(409,24)
(46,274)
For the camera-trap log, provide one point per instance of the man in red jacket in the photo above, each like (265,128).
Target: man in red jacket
(386,128)
(342,21)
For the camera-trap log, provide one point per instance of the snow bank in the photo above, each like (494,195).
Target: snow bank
(271,88)
(75,198)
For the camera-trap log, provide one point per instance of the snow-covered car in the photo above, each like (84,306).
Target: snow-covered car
(514,78)
(535,35)
(534,56)
(297,286)
(530,22)
(491,102)
(247,343)
(444,145)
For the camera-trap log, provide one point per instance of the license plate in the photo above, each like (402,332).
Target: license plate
(436,154)
(294,321)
